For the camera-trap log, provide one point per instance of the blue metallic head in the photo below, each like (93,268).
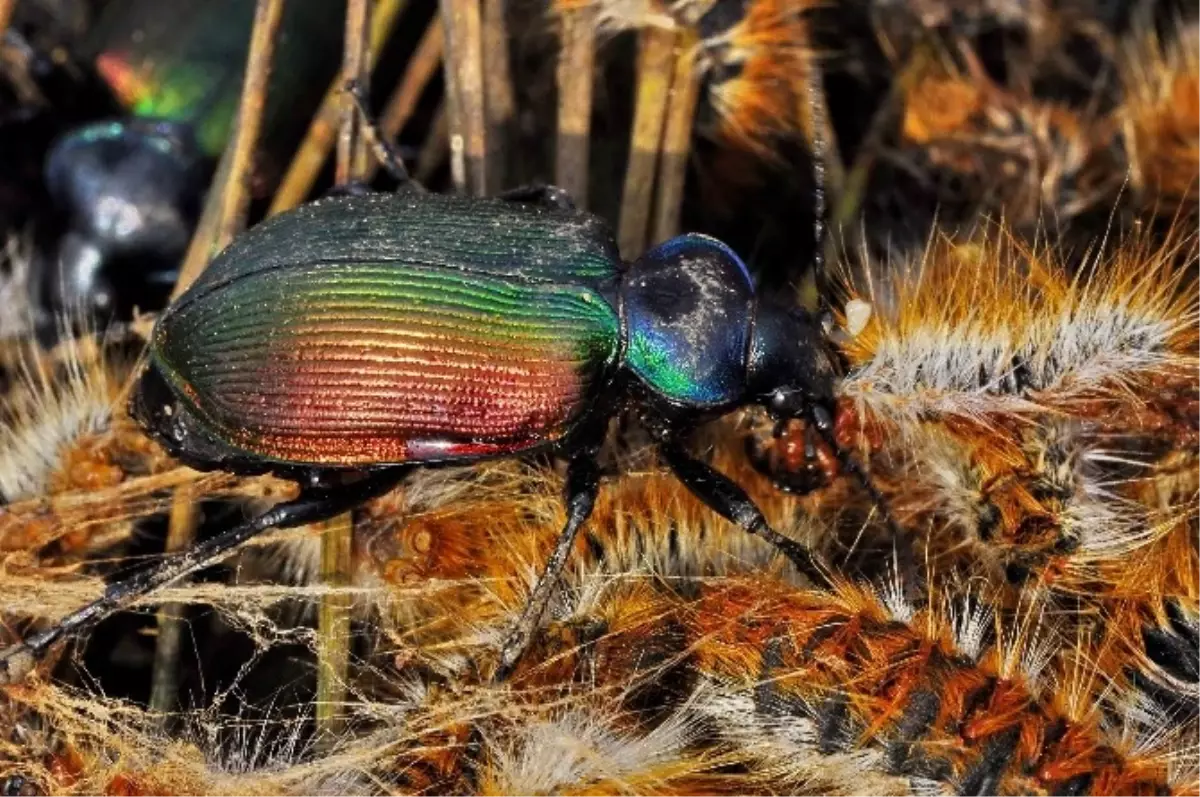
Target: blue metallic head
(791,369)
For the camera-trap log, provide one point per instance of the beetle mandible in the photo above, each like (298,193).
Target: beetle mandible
(348,341)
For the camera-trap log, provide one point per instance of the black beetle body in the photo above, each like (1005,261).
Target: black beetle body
(356,338)
(365,332)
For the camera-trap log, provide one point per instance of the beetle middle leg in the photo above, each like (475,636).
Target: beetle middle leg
(727,499)
(312,505)
(583,483)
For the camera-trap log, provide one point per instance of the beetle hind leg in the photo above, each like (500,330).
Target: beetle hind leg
(315,503)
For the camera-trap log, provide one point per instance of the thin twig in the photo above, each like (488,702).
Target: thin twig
(333,625)
(200,249)
(653,88)
(333,617)
(6,11)
(464,95)
(267,17)
(232,197)
(225,209)
(164,685)
(318,141)
(499,102)
(451,107)
(677,139)
(352,150)
(421,68)
(576,65)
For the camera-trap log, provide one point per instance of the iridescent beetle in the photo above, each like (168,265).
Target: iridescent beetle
(356,338)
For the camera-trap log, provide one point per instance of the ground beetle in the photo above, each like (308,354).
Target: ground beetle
(355,338)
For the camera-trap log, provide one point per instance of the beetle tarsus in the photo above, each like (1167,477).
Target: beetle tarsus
(312,505)
(387,155)
(727,499)
(583,483)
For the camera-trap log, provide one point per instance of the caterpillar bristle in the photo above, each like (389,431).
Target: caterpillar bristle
(1161,120)
(991,329)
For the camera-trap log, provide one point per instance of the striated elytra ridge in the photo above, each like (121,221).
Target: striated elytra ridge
(397,328)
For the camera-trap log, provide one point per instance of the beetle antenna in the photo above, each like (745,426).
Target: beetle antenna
(819,151)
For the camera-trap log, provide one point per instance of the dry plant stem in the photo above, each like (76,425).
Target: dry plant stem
(436,145)
(233,192)
(35,522)
(464,81)
(417,74)
(6,12)
(201,246)
(677,137)
(655,62)
(352,147)
(499,103)
(164,685)
(234,199)
(576,63)
(333,617)
(333,623)
(318,141)
(450,111)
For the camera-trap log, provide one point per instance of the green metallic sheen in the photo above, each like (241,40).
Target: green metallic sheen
(492,336)
(184,60)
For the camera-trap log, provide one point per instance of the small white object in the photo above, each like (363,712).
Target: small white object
(858,313)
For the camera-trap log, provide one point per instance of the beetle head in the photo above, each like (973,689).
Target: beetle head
(791,369)
(792,372)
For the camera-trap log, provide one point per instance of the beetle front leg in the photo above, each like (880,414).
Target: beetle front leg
(312,505)
(583,483)
(727,499)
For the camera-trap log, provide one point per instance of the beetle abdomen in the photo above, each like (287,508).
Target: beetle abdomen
(351,364)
